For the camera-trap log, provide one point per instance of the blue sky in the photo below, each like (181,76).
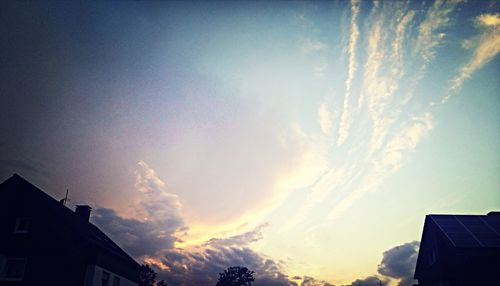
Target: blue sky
(304,139)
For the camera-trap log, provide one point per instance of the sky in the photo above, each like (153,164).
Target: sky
(304,140)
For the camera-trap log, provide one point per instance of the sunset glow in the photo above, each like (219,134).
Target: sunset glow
(305,140)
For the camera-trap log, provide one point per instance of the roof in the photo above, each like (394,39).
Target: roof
(470,231)
(476,235)
(91,233)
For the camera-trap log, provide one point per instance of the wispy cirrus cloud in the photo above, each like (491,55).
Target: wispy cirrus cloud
(381,86)
(430,35)
(239,239)
(402,44)
(309,45)
(407,139)
(345,119)
(325,119)
(485,47)
(399,48)
(385,71)
(318,193)
(387,162)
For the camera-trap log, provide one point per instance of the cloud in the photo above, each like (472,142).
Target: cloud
(407,139)
(310,281)
(147,180)
(243,163)
(368,281)
(390,160)
(309,45)
(326,183)
(240,239)
(325,119)
(330,180)
(139,238)
(151,238)
(429,36)
(399,262)
(156,205)
(345,118)
(378,89)
(309,163)
(399,47)
(320,68)
(201,266)
(397,44)
(384,70)
(486,47)
(488,20)
(159,213)
(386,150)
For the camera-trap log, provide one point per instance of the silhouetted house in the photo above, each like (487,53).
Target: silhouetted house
(42,242)
(459,250)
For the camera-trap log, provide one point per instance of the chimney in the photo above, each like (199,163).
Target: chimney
(83,212)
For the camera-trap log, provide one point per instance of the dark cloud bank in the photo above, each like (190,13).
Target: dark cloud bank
(397,263)
(201,265)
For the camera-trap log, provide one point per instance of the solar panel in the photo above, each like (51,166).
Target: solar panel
(463,240)
(470,230)
(493,221)
(448,221)
(481,230)
(455,231)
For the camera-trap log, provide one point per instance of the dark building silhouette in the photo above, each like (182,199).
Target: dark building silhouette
(42,242)
(459,250)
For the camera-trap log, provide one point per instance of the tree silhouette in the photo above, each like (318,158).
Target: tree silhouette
(148,277)
(236,276)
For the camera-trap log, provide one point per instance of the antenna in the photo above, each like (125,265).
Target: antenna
(63,201)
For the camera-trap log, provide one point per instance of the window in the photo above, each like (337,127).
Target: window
(116,281)
(22,225)
(14,268)
(104,278)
